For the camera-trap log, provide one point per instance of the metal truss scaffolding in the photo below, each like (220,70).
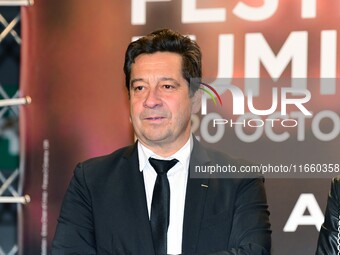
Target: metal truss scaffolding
(11,179)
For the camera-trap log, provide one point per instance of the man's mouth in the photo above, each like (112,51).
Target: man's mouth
(154,118)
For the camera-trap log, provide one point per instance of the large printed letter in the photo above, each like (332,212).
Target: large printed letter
(308,9)
(190,14)
(297,217)
(328,62)
(258,51)
(256,13)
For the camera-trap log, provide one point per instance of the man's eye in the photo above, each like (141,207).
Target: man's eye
(138,88)
(167,86)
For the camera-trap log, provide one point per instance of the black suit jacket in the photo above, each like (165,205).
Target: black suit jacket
(328,242)
(104,210)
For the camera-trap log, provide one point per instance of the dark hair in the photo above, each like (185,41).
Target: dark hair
(167,40)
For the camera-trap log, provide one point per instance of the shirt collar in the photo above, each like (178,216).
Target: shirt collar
(182,155)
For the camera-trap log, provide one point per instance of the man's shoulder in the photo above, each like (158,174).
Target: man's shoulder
(108,162)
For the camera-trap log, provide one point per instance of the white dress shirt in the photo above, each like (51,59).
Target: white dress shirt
(178,176)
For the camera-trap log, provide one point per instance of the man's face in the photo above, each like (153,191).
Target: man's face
(160,105)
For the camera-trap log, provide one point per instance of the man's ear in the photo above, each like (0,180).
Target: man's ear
(196,100)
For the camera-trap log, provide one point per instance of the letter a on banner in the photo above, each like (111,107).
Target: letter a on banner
(297,217)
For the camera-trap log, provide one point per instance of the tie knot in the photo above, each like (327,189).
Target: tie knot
(162,166)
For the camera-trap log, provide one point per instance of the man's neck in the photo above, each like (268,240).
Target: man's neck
(165,150)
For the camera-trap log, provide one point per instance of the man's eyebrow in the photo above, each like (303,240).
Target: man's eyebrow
(135,80)
(161,79)
(132,81)
(170,79)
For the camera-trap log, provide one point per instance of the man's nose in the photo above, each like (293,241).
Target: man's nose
(152,99)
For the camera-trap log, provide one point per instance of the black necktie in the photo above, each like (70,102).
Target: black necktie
(160,206)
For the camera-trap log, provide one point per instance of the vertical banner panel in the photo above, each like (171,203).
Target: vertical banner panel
(72,60)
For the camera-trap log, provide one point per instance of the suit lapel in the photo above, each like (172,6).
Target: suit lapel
(138,202)
(194,201)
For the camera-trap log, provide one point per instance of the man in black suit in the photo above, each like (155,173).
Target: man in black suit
(329,236)
(141,199)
